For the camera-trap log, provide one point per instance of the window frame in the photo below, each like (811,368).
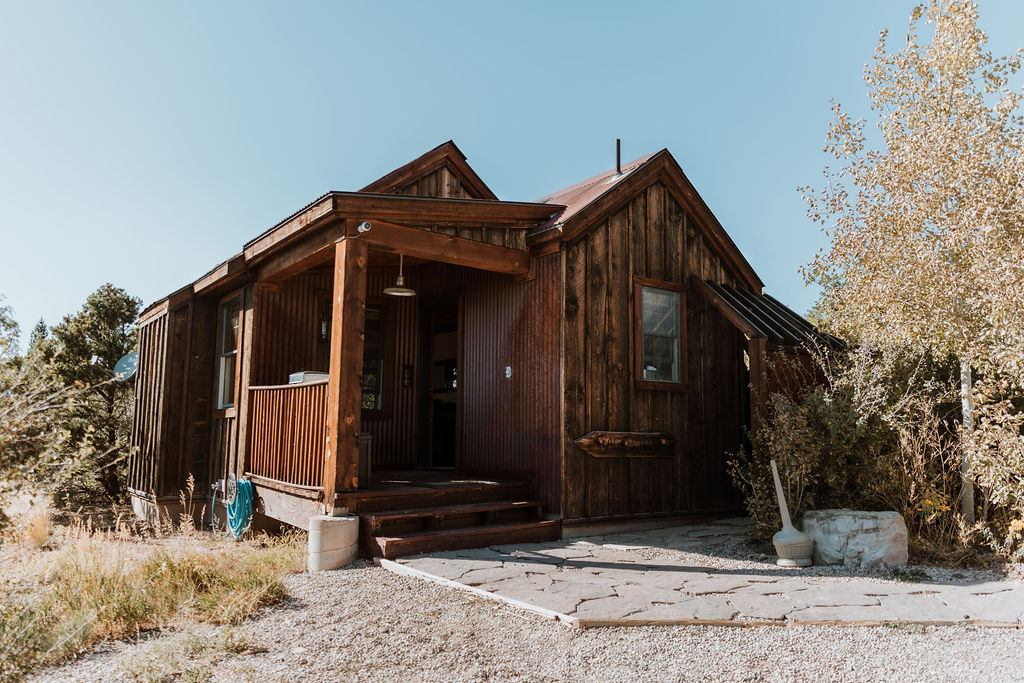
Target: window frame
(220,409)
(638,334)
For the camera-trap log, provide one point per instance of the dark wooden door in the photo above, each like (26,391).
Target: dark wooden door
(442,363)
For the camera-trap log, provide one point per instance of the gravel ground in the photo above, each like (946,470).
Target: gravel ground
(364,623)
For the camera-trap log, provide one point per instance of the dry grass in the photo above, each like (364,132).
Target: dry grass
(185,656)
(38,530)
(96,585)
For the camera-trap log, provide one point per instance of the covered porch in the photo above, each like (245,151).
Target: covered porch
(403,397)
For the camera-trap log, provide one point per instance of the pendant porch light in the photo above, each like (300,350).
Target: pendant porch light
(400,289)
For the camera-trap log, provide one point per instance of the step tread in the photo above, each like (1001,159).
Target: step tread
(441,510)
(471,530)
(417,542)
(390,501)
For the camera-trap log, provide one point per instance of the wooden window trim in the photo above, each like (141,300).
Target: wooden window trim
(646,385)
(228,411)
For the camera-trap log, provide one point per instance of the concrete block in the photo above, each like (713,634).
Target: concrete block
(331,559)
(333,541)
(855,538)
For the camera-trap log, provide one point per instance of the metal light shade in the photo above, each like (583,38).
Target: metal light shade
(399,289)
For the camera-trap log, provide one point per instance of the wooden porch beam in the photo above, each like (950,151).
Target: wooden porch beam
(318,248)
(341,457)
(420,210)
(435,246)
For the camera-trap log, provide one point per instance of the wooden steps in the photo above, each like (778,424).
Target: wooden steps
(390,547)
(406,514)
(452,516)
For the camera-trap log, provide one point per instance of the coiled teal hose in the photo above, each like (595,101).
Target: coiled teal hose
(240,509)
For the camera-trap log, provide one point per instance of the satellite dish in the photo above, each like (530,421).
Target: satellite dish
(125,368)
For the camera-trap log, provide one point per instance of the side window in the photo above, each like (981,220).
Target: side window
(659,342)
(374,345)
(227,353)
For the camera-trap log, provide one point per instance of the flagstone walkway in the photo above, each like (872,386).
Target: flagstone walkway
(695,575)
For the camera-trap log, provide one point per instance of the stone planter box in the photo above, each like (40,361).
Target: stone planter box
(855,538)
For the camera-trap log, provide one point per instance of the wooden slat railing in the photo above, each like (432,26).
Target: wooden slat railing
(288,432)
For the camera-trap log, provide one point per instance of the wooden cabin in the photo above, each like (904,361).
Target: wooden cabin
(588,358)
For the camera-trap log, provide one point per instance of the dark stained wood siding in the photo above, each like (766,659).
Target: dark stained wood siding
(650,236)
(228,431)
(287,339)
(172,392)
(511,425)
(513,238)
(149,397)
(441,182)
(394,427)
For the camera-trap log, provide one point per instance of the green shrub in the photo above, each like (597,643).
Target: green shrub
(874,435)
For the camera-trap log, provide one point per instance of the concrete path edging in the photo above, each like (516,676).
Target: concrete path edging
(575,622)
(705,575)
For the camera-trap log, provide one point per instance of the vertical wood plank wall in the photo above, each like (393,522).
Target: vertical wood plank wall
(438,183)
(511,425)
(170,428)
(227,432)
(651,236)
(286,339)
(149,395)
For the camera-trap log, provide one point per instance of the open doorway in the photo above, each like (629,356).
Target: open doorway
(441,323)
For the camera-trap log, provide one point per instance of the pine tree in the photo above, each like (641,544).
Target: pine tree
(90,344)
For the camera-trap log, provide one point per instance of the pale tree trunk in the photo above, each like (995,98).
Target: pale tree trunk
(967,404)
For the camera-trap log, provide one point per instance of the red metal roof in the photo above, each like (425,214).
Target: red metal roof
(577,197)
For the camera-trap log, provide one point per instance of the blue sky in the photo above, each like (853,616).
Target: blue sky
(144,142)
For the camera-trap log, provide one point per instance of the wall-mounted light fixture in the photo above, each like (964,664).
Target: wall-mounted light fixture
(325,328)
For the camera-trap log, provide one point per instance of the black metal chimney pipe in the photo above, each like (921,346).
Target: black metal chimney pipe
(618,156)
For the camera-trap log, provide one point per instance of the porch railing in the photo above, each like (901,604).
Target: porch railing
(288,433)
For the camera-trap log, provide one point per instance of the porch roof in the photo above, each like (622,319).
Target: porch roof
(759,315)
(333,207)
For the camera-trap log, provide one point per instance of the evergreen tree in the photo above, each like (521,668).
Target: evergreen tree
(90,344)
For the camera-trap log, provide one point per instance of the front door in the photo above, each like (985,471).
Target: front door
(441,324)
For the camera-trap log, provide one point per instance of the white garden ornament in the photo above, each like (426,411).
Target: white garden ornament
(794,547)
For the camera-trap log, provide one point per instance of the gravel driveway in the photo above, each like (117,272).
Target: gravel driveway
(364,623)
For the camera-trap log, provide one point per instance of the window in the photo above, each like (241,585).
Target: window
(227,352)
(374,343)
(660,319)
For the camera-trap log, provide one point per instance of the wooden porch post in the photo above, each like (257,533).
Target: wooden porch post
(757,351)
(341,464)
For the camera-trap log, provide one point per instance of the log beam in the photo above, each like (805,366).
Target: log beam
(341,464)
(435,246)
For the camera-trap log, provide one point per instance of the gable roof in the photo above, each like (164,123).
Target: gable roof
(588,202)
(447,154)
(577,197)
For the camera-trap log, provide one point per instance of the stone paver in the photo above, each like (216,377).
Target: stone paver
(660,577)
